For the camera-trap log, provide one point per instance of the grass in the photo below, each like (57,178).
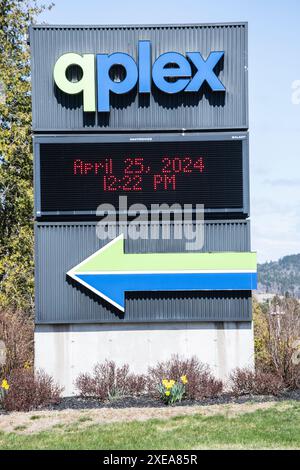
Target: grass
(83,419)
(273,428)
(20,428)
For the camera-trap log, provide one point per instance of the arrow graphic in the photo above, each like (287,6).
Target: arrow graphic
(110,272)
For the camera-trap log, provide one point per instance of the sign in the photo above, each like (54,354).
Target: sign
(171,73)
(144,124)
(110,273)
(76,176)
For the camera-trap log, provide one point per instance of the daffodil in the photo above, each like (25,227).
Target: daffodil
(168,384)
(5,384)
(184,379)
(167,393)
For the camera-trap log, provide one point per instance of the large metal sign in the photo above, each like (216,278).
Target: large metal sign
(157,115)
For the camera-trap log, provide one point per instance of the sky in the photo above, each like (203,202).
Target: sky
(274,68)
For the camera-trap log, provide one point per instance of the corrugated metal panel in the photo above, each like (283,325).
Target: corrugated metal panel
(60,246)
(55,111)
(205,306)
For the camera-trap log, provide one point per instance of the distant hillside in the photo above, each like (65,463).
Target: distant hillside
(280,276)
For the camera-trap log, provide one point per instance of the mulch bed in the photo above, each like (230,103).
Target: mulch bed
(77,403)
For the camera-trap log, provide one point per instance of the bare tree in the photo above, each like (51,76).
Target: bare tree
(282,342)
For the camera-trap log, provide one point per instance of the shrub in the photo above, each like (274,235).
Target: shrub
(28,391)
(108,381)
(200,381)
(248,382)
(16,331)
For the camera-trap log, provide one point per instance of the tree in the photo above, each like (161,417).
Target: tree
(261,334)
(277,338)
(284,331)
(16,160)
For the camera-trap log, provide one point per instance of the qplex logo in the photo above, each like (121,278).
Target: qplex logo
(171,73)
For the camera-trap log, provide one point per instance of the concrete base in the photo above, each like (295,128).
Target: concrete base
(64,351)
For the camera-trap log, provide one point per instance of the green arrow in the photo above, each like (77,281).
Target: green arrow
(111,258)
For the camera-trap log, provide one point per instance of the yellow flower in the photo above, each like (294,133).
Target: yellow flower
(168,384)
(167,393)
(27,365)
(5,384)
(184,379)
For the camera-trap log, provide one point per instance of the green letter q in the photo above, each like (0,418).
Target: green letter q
(87,83)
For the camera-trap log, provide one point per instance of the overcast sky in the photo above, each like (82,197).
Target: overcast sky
(274,64)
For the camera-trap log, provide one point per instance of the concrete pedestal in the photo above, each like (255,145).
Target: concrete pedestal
(64,351)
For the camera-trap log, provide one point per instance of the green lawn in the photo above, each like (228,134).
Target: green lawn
(267,429)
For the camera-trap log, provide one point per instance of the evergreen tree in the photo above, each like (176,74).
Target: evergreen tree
(16,160)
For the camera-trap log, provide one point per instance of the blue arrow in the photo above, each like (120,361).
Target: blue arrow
(113,286)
